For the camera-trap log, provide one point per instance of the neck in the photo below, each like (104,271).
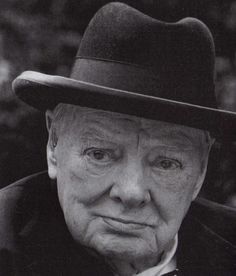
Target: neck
(138,265)
(124,268)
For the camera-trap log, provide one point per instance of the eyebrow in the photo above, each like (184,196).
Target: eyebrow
(172,133)
(98,132)
(177,146)
(178,134)
(98,135)
(175,139)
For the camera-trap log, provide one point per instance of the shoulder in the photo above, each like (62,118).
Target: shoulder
(220,219)
(31,188)
(207,240)
(17,204)
(24,184)
(24,212)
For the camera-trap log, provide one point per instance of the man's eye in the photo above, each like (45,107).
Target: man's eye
(99,155)
(168,164)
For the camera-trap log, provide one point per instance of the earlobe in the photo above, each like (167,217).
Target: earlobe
(202,176)
(200,180)
(197,188)
(48,117)
(51,146)
(52,162)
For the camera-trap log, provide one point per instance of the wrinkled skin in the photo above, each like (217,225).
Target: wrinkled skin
(126,183)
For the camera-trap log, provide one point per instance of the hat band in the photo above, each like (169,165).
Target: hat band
(115,75)
(128,77)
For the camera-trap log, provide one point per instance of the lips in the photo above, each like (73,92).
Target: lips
(122,225)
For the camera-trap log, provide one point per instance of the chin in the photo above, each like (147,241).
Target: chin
(123,248)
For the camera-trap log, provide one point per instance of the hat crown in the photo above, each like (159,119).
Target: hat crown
(172,60)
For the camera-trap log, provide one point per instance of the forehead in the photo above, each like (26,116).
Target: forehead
(115,125)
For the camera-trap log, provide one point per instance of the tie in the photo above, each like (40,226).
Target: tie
(172,273)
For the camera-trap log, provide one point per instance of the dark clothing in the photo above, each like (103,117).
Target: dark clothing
(35,240)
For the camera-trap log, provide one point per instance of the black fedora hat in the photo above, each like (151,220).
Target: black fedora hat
(131,63)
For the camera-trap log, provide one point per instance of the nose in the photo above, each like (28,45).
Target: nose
(130,187)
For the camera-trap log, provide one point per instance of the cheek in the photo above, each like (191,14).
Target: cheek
(172,193)
(176,183)
(78,180)
(78,192)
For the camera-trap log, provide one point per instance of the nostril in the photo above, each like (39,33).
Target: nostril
(143,200)
(142,204)
(130,192)
(117,199)
(129,196)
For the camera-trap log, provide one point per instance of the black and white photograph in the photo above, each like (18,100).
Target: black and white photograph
(117,138)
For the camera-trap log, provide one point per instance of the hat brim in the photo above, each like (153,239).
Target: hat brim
(46,91)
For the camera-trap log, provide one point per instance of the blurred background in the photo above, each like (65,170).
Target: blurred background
(43,35)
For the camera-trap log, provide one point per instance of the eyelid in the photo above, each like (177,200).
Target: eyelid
(96,149)
(111,152)
(163,158)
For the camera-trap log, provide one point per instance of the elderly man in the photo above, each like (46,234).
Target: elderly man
(129,138)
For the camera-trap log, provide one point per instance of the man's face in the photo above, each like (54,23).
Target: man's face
(125,183)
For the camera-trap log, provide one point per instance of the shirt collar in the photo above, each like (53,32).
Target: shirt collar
(167,263)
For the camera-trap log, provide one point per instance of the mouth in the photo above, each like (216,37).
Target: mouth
(122,225)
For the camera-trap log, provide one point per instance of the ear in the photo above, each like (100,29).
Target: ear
(200,180)
(201,177)
(204,164)
(48,116)
(51,146)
